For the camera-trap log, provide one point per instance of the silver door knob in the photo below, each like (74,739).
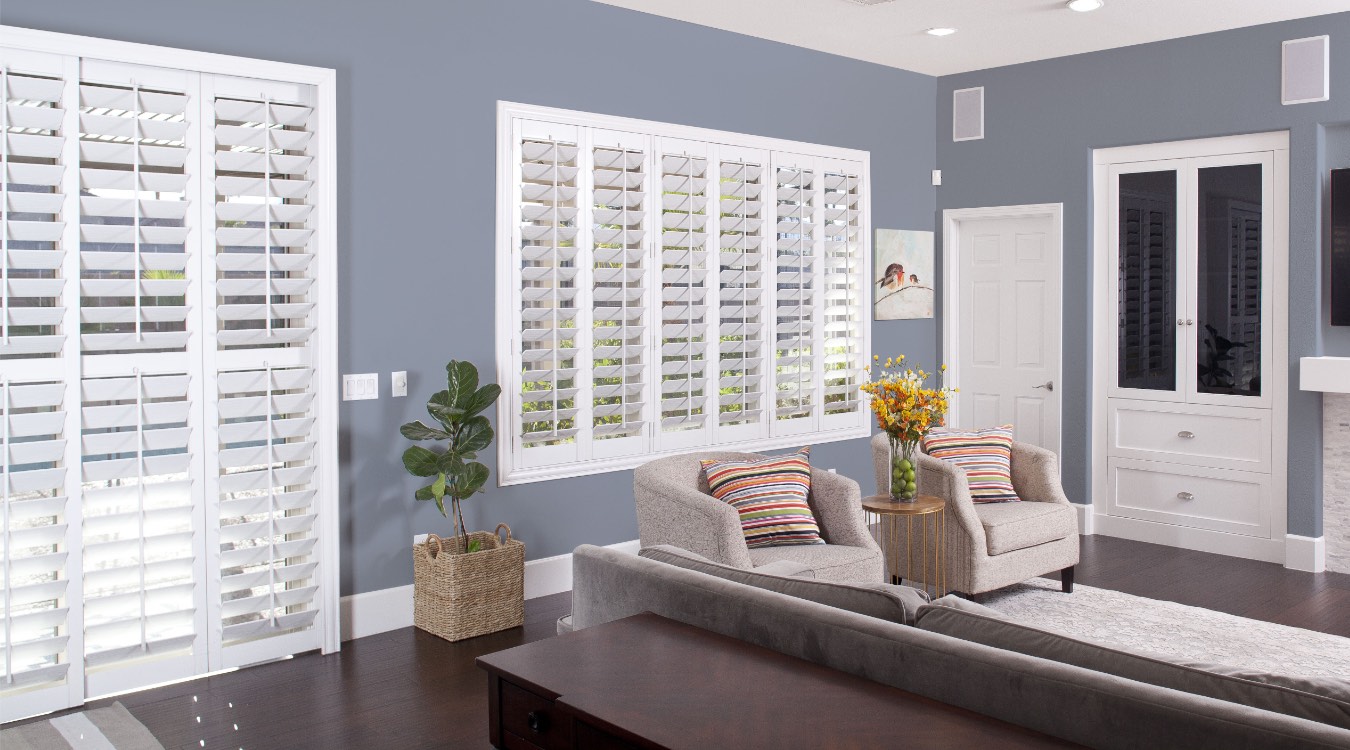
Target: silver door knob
(1185,496)
(1181,322)
(1186,434)
(1190,322)
(1048,385)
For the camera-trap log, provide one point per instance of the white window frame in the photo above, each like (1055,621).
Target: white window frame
(845,427)
(323,344)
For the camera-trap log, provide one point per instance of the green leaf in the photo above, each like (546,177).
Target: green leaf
(473,437)
(451,465)
(474,476)
(482,399)
(475,545)
(419,431)
(424,493)
(439,407)
(421,462)
(438,487)
(461,380)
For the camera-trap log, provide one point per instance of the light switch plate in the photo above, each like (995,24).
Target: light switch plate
(398,384)
(361,387)
(937,177)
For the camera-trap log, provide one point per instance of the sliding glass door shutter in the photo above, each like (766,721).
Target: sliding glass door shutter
(166,416)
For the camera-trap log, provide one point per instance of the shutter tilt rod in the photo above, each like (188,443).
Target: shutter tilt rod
(4,231)
(136,273)
(4,496)
(267,215)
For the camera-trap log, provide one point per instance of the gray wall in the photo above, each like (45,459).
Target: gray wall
(1044,118)
(416,203)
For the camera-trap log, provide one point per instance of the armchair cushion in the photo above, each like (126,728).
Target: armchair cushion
(985,455)
(835,562)
(770,494)
(1014,526)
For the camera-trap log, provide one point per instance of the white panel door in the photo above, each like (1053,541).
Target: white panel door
(1007,356)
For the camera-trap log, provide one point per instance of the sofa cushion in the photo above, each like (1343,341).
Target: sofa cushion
(1014,526)
(770,494)
(1318,699)
(833,562)
(881,600)
(985,455)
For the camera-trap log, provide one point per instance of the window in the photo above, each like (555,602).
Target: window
(664,289)
(167,431)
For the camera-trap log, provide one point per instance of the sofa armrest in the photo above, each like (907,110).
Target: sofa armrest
(1035,474)
(837,502)
(671,513)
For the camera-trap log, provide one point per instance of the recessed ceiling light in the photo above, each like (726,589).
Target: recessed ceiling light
(1083,6)
(940,31)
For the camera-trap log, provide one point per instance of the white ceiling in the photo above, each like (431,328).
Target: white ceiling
(990,32)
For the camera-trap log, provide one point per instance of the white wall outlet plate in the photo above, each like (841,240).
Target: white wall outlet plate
(398,384)
(361,387)
(937,177)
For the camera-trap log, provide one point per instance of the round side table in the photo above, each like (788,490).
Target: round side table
(884,516)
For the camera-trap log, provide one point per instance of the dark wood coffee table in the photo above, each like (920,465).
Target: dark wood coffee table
(650,682)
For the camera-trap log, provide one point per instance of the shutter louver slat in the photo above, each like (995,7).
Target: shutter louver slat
(33,293)
(549,171)
(33,536)
(684,279)
(134,154)
(795,358)
(138,538)
(262,256)
(267,518)
(844,313)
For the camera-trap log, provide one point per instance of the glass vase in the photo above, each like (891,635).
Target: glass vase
(904,470)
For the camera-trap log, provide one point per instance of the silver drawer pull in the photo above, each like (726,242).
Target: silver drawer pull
(1186,434)
(1185,496)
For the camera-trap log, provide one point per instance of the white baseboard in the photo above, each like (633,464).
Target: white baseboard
(380,611)
(1201,540)
(1086,527)
(1305,553)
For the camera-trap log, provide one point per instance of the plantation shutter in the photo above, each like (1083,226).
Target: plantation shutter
(668,289)
(685,298)
(620,360)
(743,351)
(844,313)
(796,354)
(135,551)
(547,176)
(263,467)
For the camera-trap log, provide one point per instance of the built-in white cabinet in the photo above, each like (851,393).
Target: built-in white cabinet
(1190,358)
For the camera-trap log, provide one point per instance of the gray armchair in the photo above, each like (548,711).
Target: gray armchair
(674,507)
(991,545)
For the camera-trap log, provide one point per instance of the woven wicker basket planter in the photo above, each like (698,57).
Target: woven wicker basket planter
(458,596)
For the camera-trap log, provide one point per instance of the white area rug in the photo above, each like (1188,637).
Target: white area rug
(110,728)
(1167,628)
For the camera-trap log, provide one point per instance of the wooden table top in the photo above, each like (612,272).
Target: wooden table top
(922,505)
(662,683)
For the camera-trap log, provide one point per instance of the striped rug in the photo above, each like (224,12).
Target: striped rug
(111,728)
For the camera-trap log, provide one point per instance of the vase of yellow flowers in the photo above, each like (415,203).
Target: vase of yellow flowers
(906,409)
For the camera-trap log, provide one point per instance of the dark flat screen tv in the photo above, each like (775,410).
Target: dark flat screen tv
(1340,247)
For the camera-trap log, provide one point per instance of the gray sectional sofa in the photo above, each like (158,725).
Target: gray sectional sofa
(966,655)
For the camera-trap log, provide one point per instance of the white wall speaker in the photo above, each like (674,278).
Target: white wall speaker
(968,114)
(1306,75)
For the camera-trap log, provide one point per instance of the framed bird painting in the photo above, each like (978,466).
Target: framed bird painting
(904,269)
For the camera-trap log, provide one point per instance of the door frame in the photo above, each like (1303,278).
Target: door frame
(952,219)
(1276,548)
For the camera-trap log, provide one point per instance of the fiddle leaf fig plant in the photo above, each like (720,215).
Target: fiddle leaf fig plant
(461,432)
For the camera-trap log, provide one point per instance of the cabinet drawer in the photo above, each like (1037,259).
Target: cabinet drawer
(1235,502)
(1217,436)
(533,718)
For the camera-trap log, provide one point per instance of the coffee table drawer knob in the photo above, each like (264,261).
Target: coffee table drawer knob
(537,721)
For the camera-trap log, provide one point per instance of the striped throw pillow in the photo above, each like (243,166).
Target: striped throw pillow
(986,455)
(770,494)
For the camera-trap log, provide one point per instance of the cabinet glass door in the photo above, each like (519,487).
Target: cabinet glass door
(1228,310)
(1147,281)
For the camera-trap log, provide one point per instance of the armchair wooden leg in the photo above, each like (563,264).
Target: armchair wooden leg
(1066,579)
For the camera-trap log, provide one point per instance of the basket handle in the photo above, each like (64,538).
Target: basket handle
(498,531)
(437,553)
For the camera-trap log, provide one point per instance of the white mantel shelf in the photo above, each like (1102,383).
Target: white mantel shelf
(1325,374)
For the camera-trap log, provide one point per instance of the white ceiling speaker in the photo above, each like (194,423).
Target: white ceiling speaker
(940,31)
(1083,6)
(870,2)
(968,114)
(1306,74)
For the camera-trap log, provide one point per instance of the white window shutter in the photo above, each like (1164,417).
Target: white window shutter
(844,317)
(798,239)
(743,363)
(686,301)
(547,175)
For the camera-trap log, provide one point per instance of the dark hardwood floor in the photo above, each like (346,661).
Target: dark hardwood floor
(406,689)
